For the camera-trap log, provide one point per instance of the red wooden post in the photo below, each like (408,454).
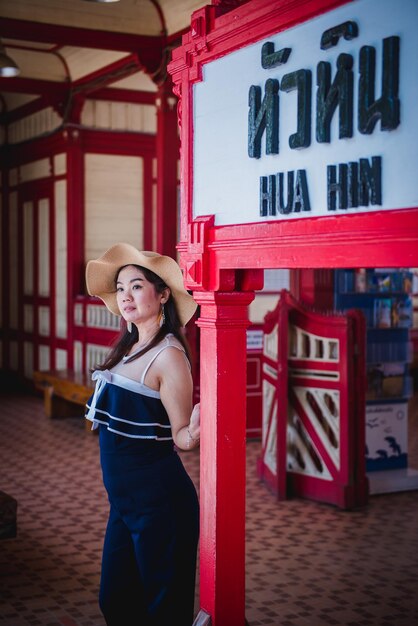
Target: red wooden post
(167,160)
(223,322)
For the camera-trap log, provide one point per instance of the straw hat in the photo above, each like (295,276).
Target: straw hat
(101,274)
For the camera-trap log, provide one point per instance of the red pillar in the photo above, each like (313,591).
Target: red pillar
(223,322)
(75,231)
(167,160)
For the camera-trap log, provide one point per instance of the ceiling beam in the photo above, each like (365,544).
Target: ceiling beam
(107,75)
(48,88)
(149,48)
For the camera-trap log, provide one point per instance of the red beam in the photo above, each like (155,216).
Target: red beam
(47,88)
(148,48)
(26,109)
(73,36)
(107,75)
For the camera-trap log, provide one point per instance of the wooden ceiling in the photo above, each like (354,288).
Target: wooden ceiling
(83,46)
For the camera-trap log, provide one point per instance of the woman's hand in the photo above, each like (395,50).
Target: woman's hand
(194,425)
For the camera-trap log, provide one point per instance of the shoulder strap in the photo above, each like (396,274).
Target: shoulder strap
(166,345)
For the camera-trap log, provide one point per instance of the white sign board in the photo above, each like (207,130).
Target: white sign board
(228,182)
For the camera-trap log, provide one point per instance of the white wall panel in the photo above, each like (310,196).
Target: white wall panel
(39,64)
(35,170)
(13,356)
(13,249)
(78,356)
(61,359)
(122,116)
(61,253)
(44,358)
(44,321)
(34,125)
(28,359)
(95,355)
(138,82)
(114,202)
(101,317)
(28,318)
(60,164)
(43,251)
(28,248)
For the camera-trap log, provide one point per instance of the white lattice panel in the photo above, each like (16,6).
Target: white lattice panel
(322,407)
(95,355)
(302,454)
(101,317)
(269,429)
(270,344)
(305,345)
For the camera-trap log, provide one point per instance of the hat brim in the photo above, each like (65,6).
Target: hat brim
(101,274)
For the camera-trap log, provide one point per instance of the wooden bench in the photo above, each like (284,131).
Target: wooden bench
(65,392)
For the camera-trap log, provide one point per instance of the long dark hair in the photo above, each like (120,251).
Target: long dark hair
(126,339)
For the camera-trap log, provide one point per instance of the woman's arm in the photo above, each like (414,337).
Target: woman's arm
(176,392)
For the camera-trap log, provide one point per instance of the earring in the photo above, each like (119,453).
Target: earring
(129,326)
(162,316)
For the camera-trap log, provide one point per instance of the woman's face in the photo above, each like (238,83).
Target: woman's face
(137,298)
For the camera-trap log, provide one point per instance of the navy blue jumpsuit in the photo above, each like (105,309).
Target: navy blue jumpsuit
(150,546)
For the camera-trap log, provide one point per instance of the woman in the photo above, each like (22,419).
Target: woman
(142,405)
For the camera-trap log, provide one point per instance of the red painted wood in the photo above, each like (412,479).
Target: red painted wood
(167,148)
(83,37)
(108,74)
(18,84)
(348,486)
(314,287)
(223,322)
(209,39)
(115,142)
(148,203)
(26,109)
(209,253)
(75,232)
(377,239)
(52,278)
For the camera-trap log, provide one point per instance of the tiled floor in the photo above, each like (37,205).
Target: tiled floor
(308,564)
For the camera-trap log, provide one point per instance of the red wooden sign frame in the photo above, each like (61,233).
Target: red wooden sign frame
(223,265)
(378,239)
